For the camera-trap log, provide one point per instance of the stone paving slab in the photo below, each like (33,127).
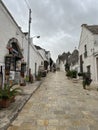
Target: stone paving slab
(7,115)
(59,104)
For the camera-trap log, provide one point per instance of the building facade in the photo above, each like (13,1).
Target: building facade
(62,60)
(14,50)
(46,57)
(88,51)
(73,60)
(36,59)
(13,46)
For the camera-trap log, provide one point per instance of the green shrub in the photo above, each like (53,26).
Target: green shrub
(80,74)
(27,78)
(86,79)
(72,73)
(67,67)
(68,74)
(8,91)
(38,77)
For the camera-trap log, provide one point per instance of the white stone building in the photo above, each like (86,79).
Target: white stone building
(60,63)
(36,59)
(43,53)
(13,42)
(14,49)
(62,60)
(46,56)
(88,50)
(74,60)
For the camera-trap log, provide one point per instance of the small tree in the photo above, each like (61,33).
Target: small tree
(68,74)
(74,73)
(80,74)
(67,67)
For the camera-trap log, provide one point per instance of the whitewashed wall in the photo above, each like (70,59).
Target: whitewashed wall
(87,38)
(35,57)
(57,63)
(42,52)
(8,30)
(62,67)
(48,55)
(74,67)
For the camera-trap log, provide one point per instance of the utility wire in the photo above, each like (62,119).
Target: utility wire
(28,4)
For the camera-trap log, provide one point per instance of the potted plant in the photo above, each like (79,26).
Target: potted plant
(86,80)
(80,74)
(38,77)
(67,67)
(14,92)
(68,74)
(7,94)
(27,78)
(0,103)
(4,97)
(74,74)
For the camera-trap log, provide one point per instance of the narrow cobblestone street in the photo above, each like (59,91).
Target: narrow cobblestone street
(59,104)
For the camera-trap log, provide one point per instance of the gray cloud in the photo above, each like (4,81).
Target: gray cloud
(58,22)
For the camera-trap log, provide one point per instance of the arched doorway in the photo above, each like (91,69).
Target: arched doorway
(13,61)
(14,48)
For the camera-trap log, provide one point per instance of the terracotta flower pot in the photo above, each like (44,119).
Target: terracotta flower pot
(0,103)
(5,103)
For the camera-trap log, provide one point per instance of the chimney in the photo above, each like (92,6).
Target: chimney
(83,25)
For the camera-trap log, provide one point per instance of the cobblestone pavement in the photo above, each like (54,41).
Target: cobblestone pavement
(7,115)
(59,104)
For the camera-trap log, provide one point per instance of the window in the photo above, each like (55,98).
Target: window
(85,51)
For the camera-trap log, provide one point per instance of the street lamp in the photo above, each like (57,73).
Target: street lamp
(29,27)
(38,36)
(35,37)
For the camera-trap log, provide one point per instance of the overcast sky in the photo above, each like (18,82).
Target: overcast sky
(58,22)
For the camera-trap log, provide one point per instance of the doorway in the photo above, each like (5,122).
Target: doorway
(81,64)
(89,70)
(35,69)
